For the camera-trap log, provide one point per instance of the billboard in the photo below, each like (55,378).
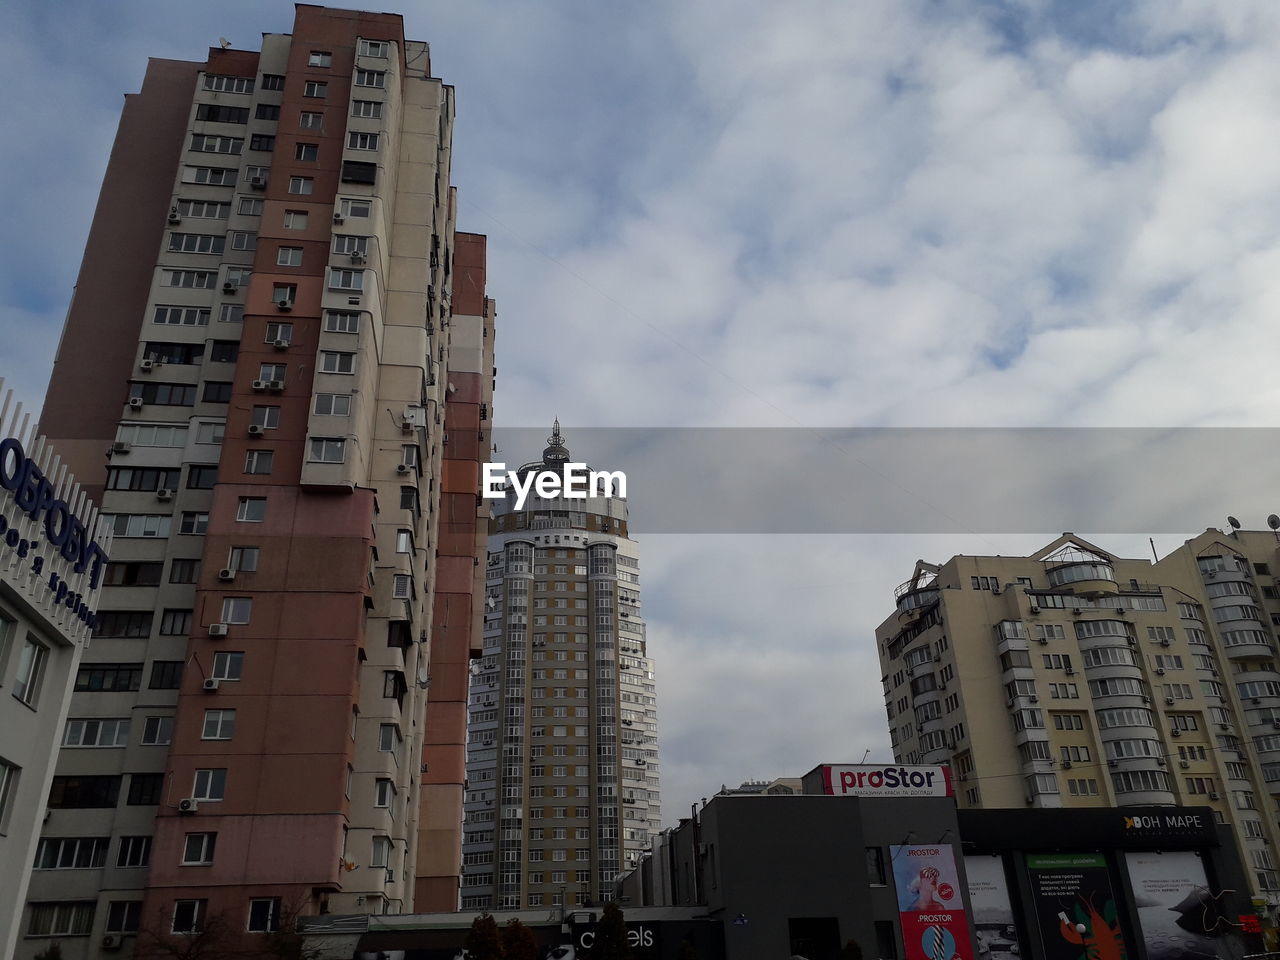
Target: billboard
(930,904)
(993,922)
(1178,918)
(1075,907)
(877,780)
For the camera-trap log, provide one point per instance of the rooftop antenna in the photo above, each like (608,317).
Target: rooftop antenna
(866,753)
(224,43)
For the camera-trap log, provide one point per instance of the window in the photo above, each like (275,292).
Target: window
(371,78)
(198,849)
(71,918)
(210,784)
(263,142)
(236,609)
(31,663)
(96,733)
(230,313)
(289,257)
(356,208)
(164,394)
(205,144)
(181,316)
(124,916)
(134,852)
(196,243)
(228,665)
(252,509)
(1068,721)
(295,219)
(306,152)
(384,793)
(340,279)
(333,405)
(267,111)
(320,58)
(328,450)
(191,279)
(404,541)
(349,243)
(8,790)
(244,559)
(175,623)
(108,677)
(84,792)
(220,113)
(184,571)
(123,623)
(157,731)
(166,675)
(341,321)
(211,431)
(134,573)
(258,461)
(264,914)
(388,737)
(362,141)
(72,854)
(355,171)
(213,176)
(373,48)
(195,523)
(224,84)
(188,915)
(201,477)
(332,361)
(381,852)
(273,371)
(284,293)
(301,186)
(310,120)
(371,109)
(266,417)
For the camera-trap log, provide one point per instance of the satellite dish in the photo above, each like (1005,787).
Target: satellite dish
(224,42)
(1273,522)
(1235,524)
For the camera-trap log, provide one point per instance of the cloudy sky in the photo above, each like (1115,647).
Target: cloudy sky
(746,213)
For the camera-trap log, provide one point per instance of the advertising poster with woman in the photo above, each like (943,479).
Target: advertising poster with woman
(930,905)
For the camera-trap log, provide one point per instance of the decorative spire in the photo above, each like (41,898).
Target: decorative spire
(556,452)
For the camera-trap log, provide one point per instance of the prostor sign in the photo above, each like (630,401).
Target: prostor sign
(871,780)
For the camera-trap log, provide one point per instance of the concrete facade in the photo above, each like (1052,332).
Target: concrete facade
(1075,678)
(296,513)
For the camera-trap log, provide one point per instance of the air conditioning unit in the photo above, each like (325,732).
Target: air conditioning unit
(135,403)
(357,257)
(284,306)
(1159,671)
(1185,764)
(280,344)
(112,941)
(164,494)
(1166,642)
(339,219)
(255,430)
(1034,699)
(1213,796)
(258,183)
(1175,732)
(173,215)
(1120,610)
(120,446)
(258,385)
(210,685)
(1076,612)
(1044,640)
(226,574)
(146,366)
(1168,701)
(403,468)
(1275,724)
(273,386)
(217,629)
(229,287)
(188,805)
(1069,671)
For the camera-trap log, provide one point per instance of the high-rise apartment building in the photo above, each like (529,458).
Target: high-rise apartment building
(562,762)
(284,348)
(1073,677)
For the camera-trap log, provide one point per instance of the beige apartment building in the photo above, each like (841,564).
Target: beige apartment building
(1075,678)
(562,754)
(277,369)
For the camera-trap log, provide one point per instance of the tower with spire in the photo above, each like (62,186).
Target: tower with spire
(562,755)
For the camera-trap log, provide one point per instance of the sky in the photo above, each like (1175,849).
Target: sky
(715,213)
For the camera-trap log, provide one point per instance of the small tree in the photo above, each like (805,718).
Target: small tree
(216,939)
(518,942)
(484,941)
(611,935)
